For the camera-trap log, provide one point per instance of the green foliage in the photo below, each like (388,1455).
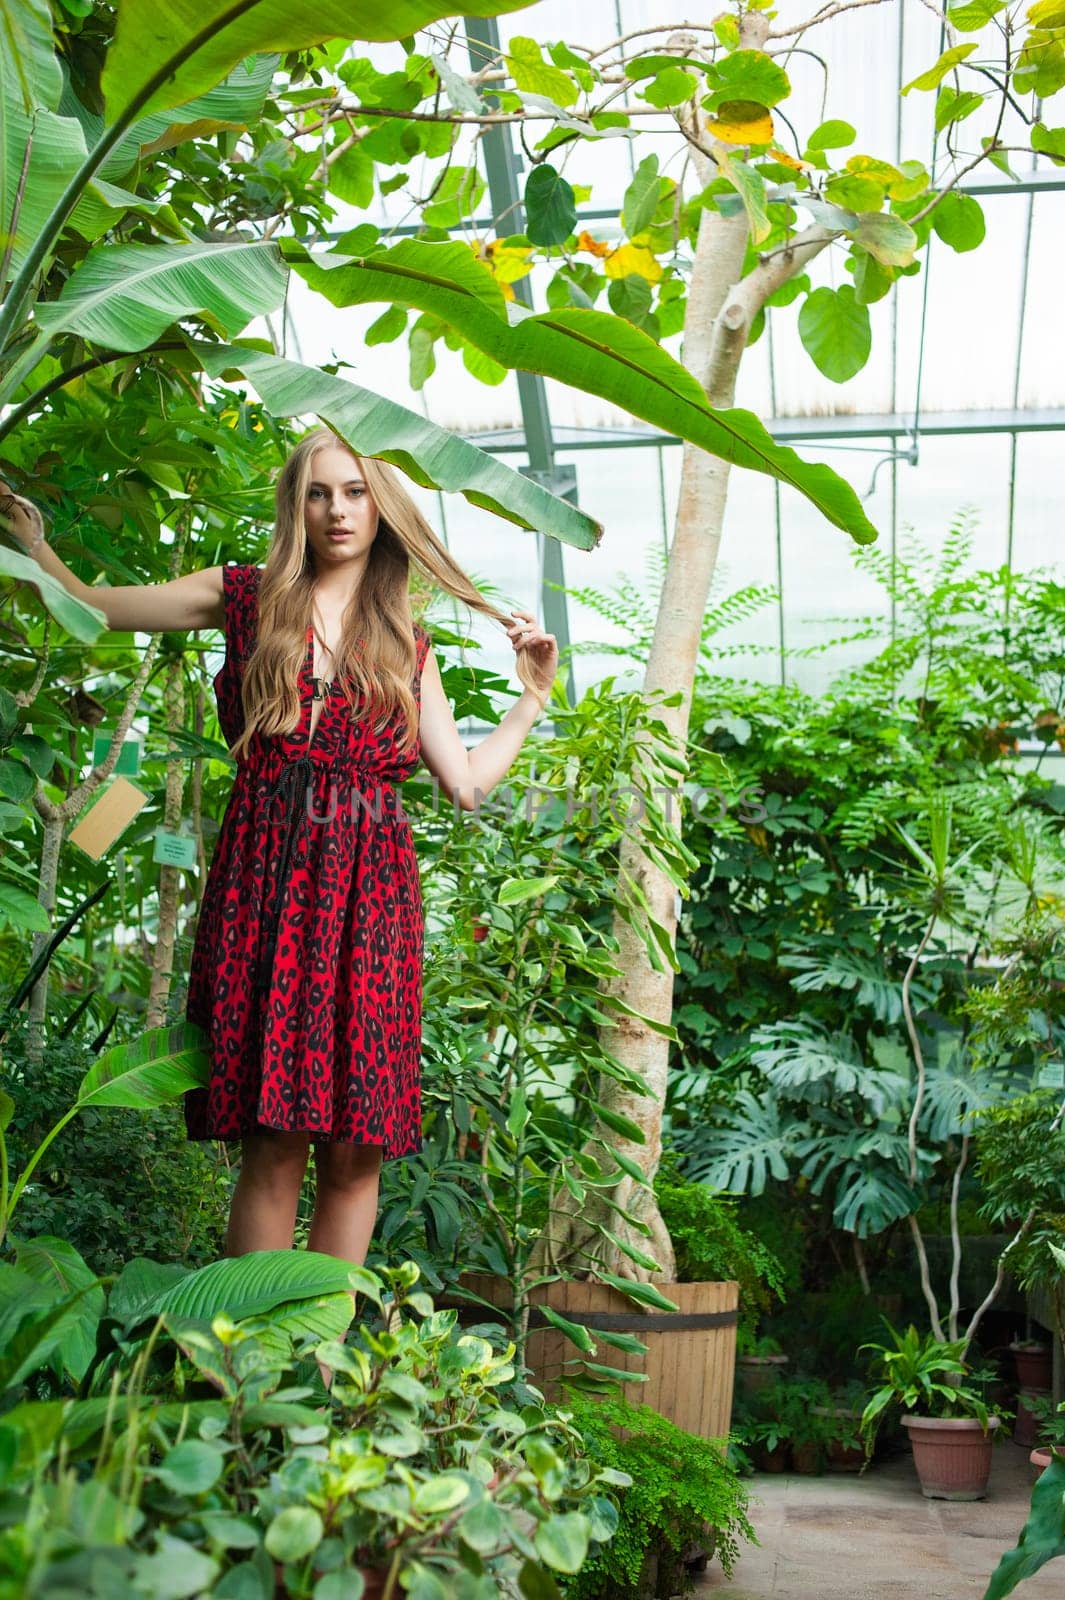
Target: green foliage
(681,1486)
(1042,1537)
(712,1246)
(211,1442)
(923,1376)
(114,1186)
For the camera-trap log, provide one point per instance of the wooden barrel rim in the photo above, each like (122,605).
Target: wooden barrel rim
(640,1322)
(612,1321)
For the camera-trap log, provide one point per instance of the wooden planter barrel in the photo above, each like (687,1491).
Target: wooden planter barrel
(691,1352)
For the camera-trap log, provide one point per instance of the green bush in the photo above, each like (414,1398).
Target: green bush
(682,1487)
(113,1185)
(712,1247)
(204,1456)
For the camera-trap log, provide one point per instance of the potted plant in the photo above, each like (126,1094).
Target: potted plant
(760,1362)
(947,1421)
(1050,1427)
(842,1422)
(1034,1362)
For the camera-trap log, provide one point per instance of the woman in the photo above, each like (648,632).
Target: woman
(306,966)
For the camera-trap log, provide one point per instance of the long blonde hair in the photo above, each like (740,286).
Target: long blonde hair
(376,656)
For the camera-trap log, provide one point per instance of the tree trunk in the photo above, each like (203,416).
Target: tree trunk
(722,305)
(712,353)
(169,877)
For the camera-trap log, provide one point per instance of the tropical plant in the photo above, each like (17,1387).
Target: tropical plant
(920,1375)
(681,1487)
(1042,1537)
(152,1071)
(710,1245)
(518,947)
(112,1186)
(203,1465)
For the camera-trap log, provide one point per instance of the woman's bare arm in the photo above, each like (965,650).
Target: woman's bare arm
(192,601)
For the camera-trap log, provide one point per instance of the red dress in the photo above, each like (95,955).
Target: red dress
(306,968)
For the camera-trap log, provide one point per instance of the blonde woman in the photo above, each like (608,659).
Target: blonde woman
(307,962)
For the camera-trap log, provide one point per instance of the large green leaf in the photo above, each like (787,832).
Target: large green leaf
(590,350)
(235,103)
(29,68)
(249,1285)
(1042,1537)
(81,621)
(151,1071)
(178,50)
(124,296)
(430,455)
(61,1271)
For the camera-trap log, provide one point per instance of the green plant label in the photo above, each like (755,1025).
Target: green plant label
(128,764)
(174,849)
(1052,1075)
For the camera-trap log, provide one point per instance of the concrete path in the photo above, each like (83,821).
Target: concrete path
(845,1537)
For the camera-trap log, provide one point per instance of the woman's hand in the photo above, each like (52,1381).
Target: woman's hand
(21,518)
(526,634)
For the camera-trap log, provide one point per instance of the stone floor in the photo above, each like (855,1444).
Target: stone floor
(845,1537)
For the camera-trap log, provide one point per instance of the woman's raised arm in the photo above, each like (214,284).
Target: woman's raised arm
(192,601)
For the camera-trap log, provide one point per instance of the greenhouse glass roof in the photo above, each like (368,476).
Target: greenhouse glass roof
(961,404)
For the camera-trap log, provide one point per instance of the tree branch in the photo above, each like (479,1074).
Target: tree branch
(821,16)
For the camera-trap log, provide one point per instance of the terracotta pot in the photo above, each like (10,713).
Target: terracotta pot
(758,1372)
(1040,1460)
(1035,1366)
(1026,1423)
(841,1457)
(806,1458)
(772,1460)
(952,1455)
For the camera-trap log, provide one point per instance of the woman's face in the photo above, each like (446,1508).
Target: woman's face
(340,513)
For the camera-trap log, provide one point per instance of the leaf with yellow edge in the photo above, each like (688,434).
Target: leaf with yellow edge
(750,186)
(509,262)
(633,258)
(594,247)
(786,160)
(741,122)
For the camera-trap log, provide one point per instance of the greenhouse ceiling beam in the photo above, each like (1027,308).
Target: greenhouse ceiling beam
(1039,183)
(501,171)
(502,441)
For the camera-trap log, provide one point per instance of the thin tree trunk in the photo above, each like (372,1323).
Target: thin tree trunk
(721,308)
(169,877)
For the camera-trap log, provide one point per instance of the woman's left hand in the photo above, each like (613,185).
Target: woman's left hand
(526,634)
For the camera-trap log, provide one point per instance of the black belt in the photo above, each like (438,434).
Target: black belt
(295,779)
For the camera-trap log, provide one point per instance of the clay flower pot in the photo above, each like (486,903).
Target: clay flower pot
(1034,1366)
(952,1455)
(1042,1456)
(758,1372)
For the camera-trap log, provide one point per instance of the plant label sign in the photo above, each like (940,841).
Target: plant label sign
(98,828)
(129,757)
(1052,1075)
(174,849)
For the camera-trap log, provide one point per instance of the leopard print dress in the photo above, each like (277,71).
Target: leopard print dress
(306,970)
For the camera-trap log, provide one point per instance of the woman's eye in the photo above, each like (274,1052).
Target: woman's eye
(358,492)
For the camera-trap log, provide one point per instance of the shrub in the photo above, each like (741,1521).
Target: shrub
(682,1486)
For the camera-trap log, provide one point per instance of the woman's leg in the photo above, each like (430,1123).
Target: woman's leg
(345,1208)
(263,1213)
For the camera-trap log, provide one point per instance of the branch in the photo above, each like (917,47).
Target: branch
(926,1280)
(955,1239)
(641,33)
(822,16)
(918,1053)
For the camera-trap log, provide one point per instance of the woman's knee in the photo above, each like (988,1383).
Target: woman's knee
(345,1167)
(275,1161)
